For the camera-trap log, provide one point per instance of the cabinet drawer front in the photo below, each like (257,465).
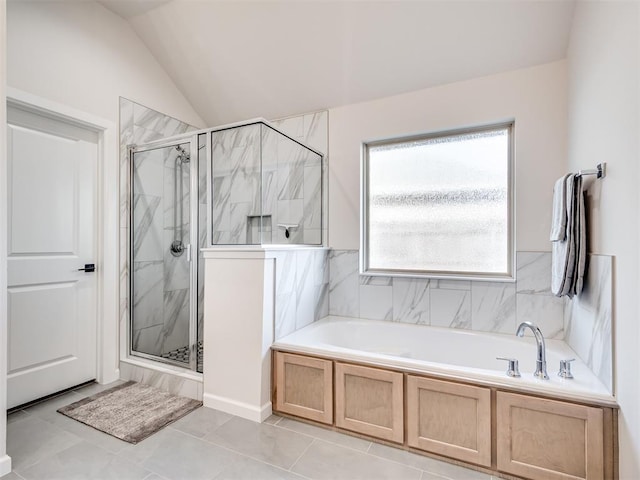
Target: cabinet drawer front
(449,419)
(548,439)
(304,387)
(370,401)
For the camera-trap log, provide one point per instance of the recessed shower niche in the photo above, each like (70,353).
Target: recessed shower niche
(247,184)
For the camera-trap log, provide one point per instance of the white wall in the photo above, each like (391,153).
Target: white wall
(604,125)
(5,462)
(84,56)
(534,97)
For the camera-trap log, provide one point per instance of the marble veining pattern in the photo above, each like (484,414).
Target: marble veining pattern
(534,273)
(166,382)
(411,300)
(160,305)
(147,228)
(588,319)
(450,308)
(301,288)
(482,306)
(236,183)
(493,307)
(344,284)
(543,310)
(202,231)
(175,331)
(312,129)
(584,322)
(147,298)
(376,302)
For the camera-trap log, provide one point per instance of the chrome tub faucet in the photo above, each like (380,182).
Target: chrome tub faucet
(541,356)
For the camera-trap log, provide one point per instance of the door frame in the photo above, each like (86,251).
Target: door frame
(107,274)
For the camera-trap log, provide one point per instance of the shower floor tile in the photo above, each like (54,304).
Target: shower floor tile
(208,444)
(182,355)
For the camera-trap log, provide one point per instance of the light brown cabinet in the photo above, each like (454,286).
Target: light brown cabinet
(449,419)
(549,439)
(370,401)
(513,433)
(304,386)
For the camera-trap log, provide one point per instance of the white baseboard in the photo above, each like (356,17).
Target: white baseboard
(5,465)
(240,409)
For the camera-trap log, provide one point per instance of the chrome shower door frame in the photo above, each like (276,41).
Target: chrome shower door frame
(192,140)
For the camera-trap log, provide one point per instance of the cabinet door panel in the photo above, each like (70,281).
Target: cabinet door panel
(304,387)
(548,439)
(370,401)
(449,419)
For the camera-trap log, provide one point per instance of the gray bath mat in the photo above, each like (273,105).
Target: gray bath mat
(131,411)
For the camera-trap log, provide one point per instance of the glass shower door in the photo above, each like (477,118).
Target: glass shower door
(164,246)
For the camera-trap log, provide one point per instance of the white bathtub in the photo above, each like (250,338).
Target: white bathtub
(448,353)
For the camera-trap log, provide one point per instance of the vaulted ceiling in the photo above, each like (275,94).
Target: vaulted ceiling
(238,59)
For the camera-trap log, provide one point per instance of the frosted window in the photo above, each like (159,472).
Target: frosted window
(439,205)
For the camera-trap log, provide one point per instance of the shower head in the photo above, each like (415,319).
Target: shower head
(183,156)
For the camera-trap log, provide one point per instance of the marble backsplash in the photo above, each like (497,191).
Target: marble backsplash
(584,322)
(588,319)
(482,306)
(301,288)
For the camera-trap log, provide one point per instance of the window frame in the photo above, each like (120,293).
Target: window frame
(508,276)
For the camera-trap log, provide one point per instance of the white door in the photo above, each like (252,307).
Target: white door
(51,234)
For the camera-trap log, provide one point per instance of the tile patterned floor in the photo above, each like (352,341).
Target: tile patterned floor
(206,444)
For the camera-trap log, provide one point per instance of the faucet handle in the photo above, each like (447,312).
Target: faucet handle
(513,370)
(565,368)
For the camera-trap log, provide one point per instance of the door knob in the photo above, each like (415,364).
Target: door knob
(88,267)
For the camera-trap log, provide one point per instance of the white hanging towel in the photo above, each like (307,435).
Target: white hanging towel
(559,214)
(568,252)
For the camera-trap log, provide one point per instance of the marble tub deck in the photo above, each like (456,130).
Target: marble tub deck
(206,444)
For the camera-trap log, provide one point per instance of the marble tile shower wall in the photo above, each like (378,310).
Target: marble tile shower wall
(312,129)
(236,184)
(481,306)
(288,192)
(302,288)
(202,226)
(291,190)
(161,300)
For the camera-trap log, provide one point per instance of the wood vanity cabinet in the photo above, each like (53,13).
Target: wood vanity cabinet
(526,436)
(549,439)
(370,401)
(449,419)
(304,386)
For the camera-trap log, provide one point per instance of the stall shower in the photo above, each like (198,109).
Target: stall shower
(166,305)
(250,185)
